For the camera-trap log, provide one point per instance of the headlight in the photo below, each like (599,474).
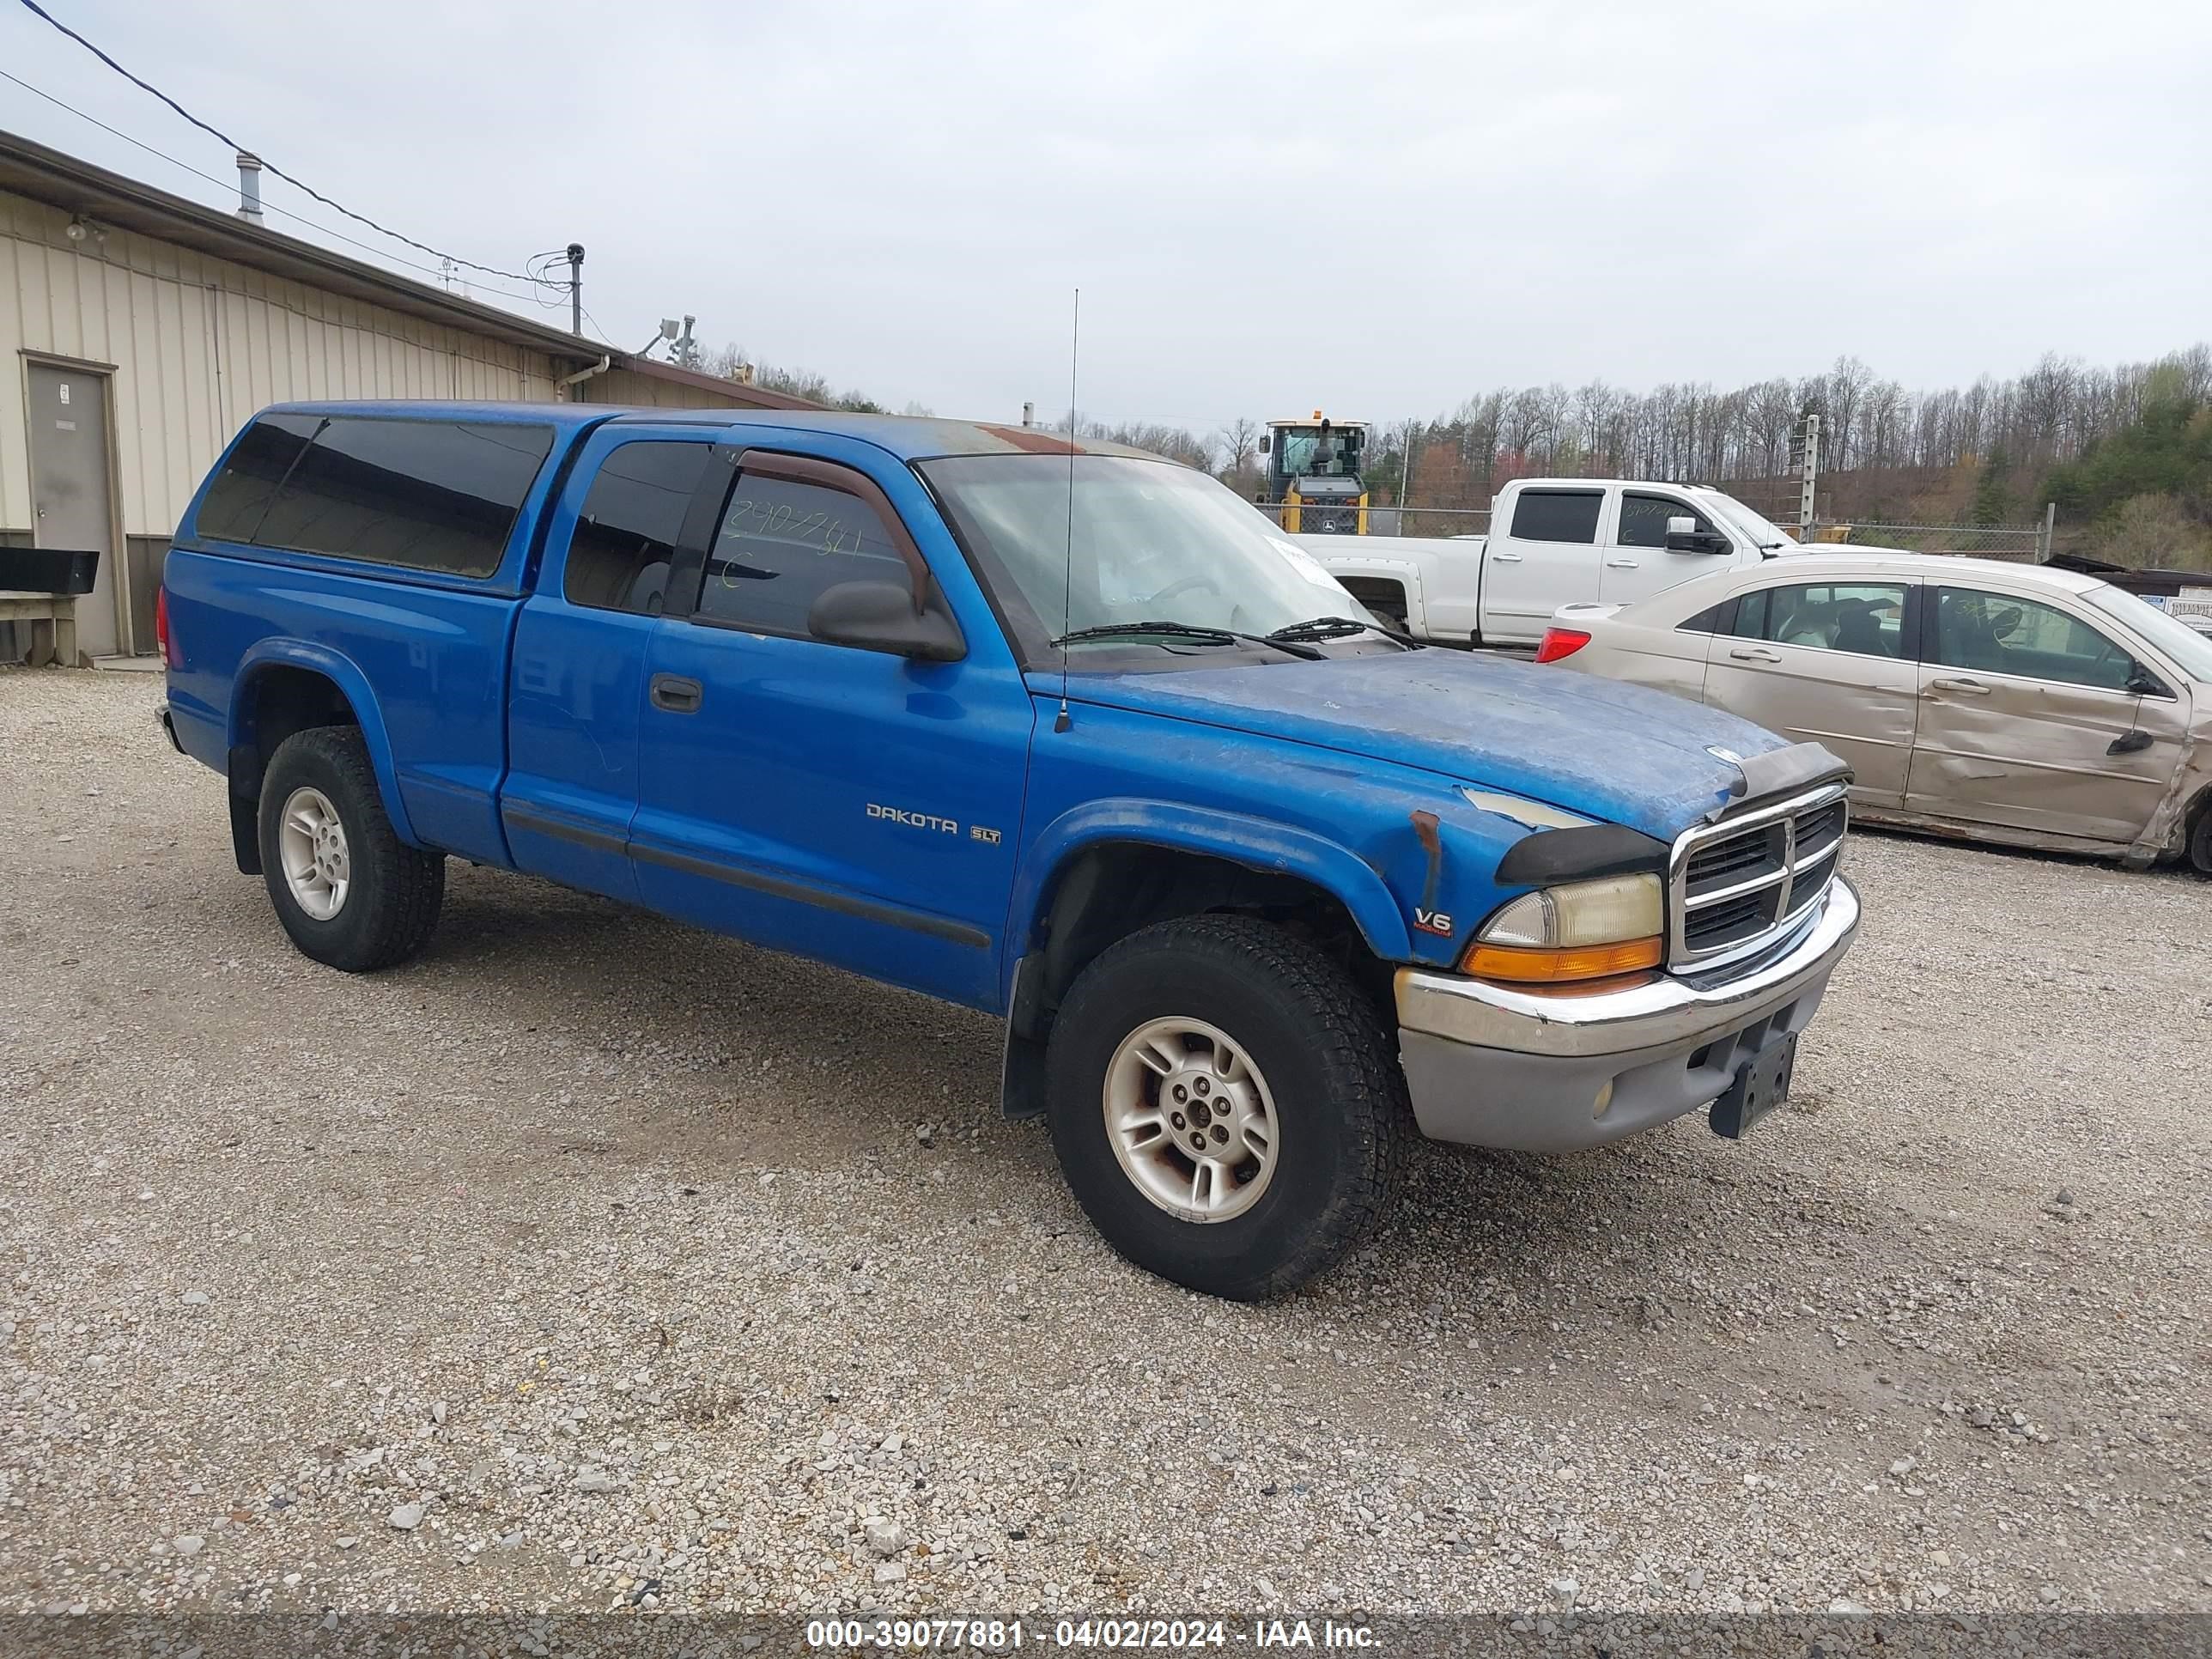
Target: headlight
(1582,930)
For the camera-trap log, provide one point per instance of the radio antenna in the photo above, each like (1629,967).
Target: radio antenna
(1061,722)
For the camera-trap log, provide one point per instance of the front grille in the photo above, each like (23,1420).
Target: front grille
(1739,858)
(1729,921)
(1740,882)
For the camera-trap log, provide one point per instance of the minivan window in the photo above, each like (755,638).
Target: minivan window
(427,494)
(1556,515)
(625,537)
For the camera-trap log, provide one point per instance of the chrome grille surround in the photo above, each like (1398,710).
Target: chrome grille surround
(1736,886)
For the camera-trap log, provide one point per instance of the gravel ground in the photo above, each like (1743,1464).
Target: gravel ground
(593,1261)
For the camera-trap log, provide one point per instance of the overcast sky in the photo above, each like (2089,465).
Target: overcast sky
(1269,208)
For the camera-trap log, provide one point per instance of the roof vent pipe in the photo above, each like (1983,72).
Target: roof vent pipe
(249,187)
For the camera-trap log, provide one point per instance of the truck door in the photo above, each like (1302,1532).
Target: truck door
(579,647)
(1637,563)
(847,804)
(1544,556)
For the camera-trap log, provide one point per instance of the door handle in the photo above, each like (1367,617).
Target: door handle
(677,695)
(1622,564)
(1964,688)
(1506,558)
(1754,654)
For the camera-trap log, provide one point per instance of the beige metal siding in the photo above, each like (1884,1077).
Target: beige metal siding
(199,343)
(623,385)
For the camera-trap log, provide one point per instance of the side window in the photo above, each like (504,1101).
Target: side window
(1867,618)
(1643,519)
(1751,614)
(783,543)
(625,537)
(261,459)
(1556,515)
(1713,619)
(1996,633)
(428,495)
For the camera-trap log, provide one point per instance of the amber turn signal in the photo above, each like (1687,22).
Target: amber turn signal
(1521,964)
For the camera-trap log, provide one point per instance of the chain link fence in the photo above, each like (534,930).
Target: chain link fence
(1405,520)
(2024,544)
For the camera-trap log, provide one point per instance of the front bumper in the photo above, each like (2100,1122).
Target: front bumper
(1489,1067)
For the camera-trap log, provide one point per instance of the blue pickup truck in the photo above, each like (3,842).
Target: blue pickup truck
(1061,732)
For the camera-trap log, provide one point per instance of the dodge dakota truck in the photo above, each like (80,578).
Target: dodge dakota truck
(1065,733)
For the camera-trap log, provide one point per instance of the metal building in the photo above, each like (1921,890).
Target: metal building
(139,329)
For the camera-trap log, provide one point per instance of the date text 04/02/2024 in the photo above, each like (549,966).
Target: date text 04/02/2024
(997,1635)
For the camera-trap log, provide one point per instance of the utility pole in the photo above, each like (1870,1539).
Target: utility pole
(576,289)
(1806,453)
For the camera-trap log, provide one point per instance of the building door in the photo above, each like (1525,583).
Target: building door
(71,503)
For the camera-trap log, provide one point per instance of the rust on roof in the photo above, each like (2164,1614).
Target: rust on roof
(1033,439)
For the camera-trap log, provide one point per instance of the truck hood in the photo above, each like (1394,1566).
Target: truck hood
(1620,754)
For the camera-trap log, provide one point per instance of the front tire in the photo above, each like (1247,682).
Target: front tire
(2200,840)
(1226,1104)
(350,893)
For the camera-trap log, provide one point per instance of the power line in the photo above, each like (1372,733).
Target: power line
(285,213)
(41,12)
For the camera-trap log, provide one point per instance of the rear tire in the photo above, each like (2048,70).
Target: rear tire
(2200,839)
(1227,1009)
(350,893)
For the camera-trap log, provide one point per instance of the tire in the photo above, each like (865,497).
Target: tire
(383,903)
(1316,1072)
(2200,840)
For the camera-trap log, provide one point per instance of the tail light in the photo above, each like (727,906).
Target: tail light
(1560,642)
(170,655)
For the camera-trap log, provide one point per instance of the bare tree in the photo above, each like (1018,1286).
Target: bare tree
(1236,446)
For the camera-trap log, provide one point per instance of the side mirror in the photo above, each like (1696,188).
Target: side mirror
(1266,443)
(2143,683)
(1683,536)
(881,616)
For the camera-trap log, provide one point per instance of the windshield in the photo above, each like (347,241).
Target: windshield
(1763,531)
(1306,451)
(1151,541)
(2190,649)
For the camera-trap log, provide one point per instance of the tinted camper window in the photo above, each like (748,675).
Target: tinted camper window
(261,460)
(426,494)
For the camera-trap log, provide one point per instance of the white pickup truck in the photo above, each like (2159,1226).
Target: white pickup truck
(1553,542)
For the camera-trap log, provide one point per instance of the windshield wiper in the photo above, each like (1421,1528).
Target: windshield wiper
(1188,631)
(1337,628)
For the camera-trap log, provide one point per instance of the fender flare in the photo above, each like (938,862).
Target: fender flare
(341,671)
(1257,843)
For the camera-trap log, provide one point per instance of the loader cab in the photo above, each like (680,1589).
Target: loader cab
(1314,475)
